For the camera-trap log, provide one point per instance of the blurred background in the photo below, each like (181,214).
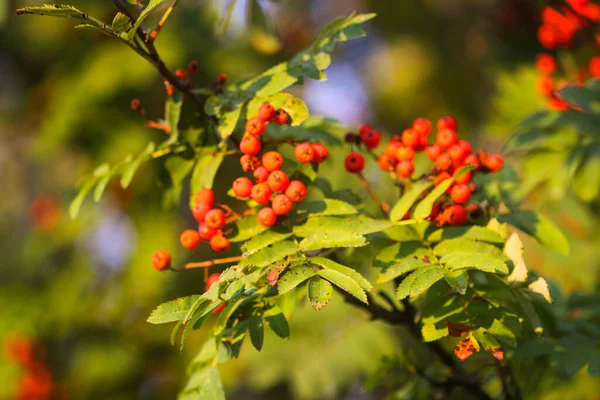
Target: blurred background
(82,289)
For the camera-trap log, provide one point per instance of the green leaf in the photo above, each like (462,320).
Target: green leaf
(467,232)
(204,384)
(205,172)
(541,228)
(121,23)
(326,207)
(594,367)
(586,182)
(319,292)
(401,258)
(246,228)
(269,255)
(432,333)
(265,239)
(152,5)
(75,205)
(257,331)
(293,277)
(332,238)
(423,209)
(174,332)
(540,286)
(174,310)
(484,337)
(234,289)
(103,181)
(295,107)
(359,224)
(464,253)
(173,115)
(502,333)
(352,273)
(277,322)
(345,283)
(419,281)
(458,280)
(408,199)
(62,11)
(133,167)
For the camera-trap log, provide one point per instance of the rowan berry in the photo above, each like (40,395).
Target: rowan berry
(281,204)
(205,231)
(281,117)
(354,162)
(304,153)
(460,194)
(472,187)
(405,168)
(272,161)
(544,85)
(296,191)
(595,67)
(255,126)
(206,196)
(266,217)
(181,73)
(472,159)
(189,239)
(218,309)
(455,215)
(422,126)
(161,260)
(464,178)
(352,138)
(474,210)
(411,138)
(441,178)
(391,149)
(423,143)
(444,162)
(219,242)
(261,193)
(261,174)
(371,138)
(446,138)
(320,152)
(215,218)
(170,89)
(266,112)
(457,153)
(278,181)
(466,146)
(386,163)
(545,63)
(494,162)
(136,104)
(242,187)
(212,279)
(249,163)
(447,123)
(199,211)
(250,145)
(363,129)
(405,154)
(221,79)
(194,66)
(433,152)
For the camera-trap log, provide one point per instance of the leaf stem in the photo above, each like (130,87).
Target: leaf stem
(210,263)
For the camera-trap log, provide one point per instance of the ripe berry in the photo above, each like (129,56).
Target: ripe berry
(278,181)
(136,104)
(304,153)
(423,143)
(595,66)
(371,138)
(405,168)
(457,153)
(352,138)
(170,89)
(464,178)
(249,163)
(218,309)
(272,161)
(405,154)
(199,211)
(363,129)
(296,191)
(320,152)
(411,138)
(544,85)
(261,193)
(466,146)
(455,215)
(250,145)
(189,239)
(354,162)
(215,218)
(212,279)
(386,163)
(221,79)
(460,194)
(444,162)
(161,260)
(266,112)
(281,204)
(447,123)
(206,196)
(446,138)
(220,243)
(391,149)
(441,178)
(494,162)
(205,231)
(242,187)
(181,73)
(194,67)
(261,174)
(281,117)
(433,152)
(545,63)
(472,159)
(266,217)
(255,126)
(474,210)
(422,126)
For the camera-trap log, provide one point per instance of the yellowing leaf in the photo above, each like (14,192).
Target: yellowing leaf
(540,286)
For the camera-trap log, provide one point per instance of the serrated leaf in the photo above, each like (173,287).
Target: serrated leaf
(257,331)
(466,232)
(542,229)
(359,224)
(204,383)
(327,263)
(265,239)
(540,286)
(326,207)
(423,209)
(319,292)
(484,337)
(133,167)
(173,115)
(401,258)
(174,310)
(234,289)
(204,173)
(419,281)
(293,277)
(269,255)
(332,238)
(345,283)
(408,199)
(121,23)
(277,322)
(464,253)
(458,280)
(246,228)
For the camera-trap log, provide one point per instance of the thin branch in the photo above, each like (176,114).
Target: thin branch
(210,263)
(384,206)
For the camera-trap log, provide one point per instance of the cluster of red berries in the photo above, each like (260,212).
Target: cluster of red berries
(448,154)
(37,382)
(212,279)
(560,27)
(271,183)
(183,74)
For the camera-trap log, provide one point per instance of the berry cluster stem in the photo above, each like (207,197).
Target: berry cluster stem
(210,263)
(384,206)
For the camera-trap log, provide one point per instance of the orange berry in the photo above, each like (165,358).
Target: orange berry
(281,117)
(249,163)
(446,138)
(405,154)
(411,138)
(422,126)
(296,191)
(464,178)
(206,196)
(405,168)
(161,260)
(545,63)
(242,187)
(444,162)
(433,152)
(205,231)
(457,153)
(250,145)
(272,161)
(364,129)
(281,204)
(386,163)
(221,79)
(194,66)
(392,149)
(320,152)
(189,239)
(181,73)
(544,85)
(199,211)
(354,162)
(447,123)
(494,162)
(220,243)
(261,193)
(212,279)
(266,217)
(255,126)
(215,218)
(595,66)
(460,194)
(466,146)
(304,153)
(218,309)
(472,159)
(266,112)
(261,174)
(278,181)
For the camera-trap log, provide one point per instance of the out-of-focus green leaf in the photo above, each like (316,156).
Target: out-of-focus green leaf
(539,227)
(173,115)
(133,167)
(205,384)
(121,23)
(152,5)
(277,322)
(257,331)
